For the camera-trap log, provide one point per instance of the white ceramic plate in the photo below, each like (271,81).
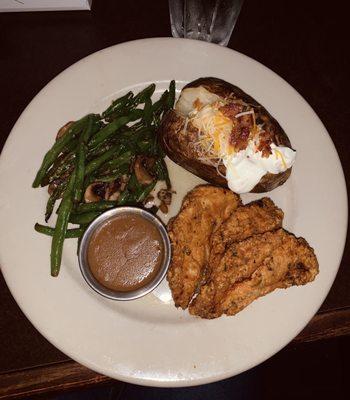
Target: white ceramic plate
(148,341)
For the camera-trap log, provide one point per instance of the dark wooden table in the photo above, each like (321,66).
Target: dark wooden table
(304,42)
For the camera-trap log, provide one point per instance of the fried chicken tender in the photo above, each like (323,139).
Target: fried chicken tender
(257,217)
(203,210)
(252,268)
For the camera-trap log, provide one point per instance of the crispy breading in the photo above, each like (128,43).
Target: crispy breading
(202,211)
(256,217)
(252,268)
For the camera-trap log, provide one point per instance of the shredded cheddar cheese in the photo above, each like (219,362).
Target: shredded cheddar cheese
(280,155)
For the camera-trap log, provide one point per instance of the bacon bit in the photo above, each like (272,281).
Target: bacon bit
(246,121)
(265,141)
(245,132)
(266,150)
(230,110)
(239,137)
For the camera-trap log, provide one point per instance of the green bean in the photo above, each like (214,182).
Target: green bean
(144,95)
(171,96)
(162,172)
(124,197)
(159,107)
(93,165)
(152,149)
(107,178)
(160,103)
(85,218)
(97,124)
(118,104)
(136,196)
(144,146)
(80,172)
(130,193)
(70,146)
(108,143)
(107,131)
(99,150)
(116,162)
(50,206)
(80,164)
(56,194)
(101,205)
(141,196)
(111,128)
(56,149)
(137,126)
(129,141)
(61,227)
(133,183)
(60,167)
(70,233)
(112,175)
(147,112)
(60,160)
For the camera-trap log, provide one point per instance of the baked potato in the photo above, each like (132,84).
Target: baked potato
(224,136)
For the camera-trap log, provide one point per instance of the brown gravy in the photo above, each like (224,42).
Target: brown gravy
(125,253)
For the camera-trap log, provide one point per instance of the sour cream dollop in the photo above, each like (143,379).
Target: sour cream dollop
(245,168)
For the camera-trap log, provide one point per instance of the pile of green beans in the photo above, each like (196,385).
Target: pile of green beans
(102,148)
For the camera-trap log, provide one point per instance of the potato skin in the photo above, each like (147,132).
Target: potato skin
(177,143)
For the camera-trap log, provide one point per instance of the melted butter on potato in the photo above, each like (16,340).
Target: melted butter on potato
(190,97)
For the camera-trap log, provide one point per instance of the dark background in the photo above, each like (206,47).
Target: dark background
(304,42)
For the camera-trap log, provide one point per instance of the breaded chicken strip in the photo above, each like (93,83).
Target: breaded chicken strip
(254,218)
(202,211)
(253,268)
(257,217)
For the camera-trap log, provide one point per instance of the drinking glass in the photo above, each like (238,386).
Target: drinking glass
(208,20)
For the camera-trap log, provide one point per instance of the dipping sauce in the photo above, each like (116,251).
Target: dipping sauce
(125,253)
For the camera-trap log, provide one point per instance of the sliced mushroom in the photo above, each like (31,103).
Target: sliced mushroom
(104,190)
(165,196)
(114,196)
(163,208)
(95,192)
(142,166)
(64,129)
(113,190)
(149,202)
(116,187)
(124,181)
